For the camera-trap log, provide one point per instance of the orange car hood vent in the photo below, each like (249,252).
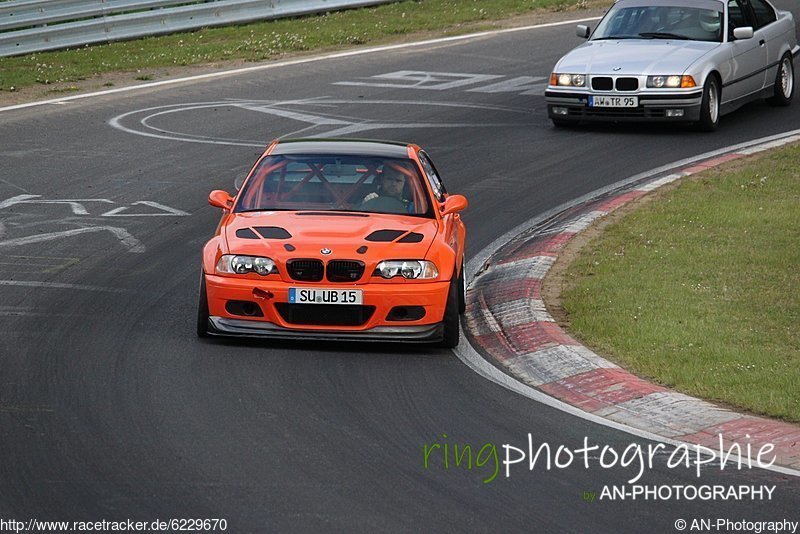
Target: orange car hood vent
(267,232)
(272,232)
(412,237)
(384,236)
(246,233)
(387,236)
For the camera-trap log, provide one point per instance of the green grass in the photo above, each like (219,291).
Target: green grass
(700,290)
(266,40)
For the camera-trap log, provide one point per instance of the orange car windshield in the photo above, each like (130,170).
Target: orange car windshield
(335,183)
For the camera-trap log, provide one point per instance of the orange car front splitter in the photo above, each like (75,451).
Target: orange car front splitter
(402,334)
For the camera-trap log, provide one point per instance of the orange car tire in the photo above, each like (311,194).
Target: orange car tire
(450,334)
(202,309)
(462,291)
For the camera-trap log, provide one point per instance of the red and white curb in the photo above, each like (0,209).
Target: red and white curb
(507,320)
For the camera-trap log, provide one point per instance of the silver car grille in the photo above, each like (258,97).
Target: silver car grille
(607,83)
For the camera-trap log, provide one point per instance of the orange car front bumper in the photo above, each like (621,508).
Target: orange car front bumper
(389,311)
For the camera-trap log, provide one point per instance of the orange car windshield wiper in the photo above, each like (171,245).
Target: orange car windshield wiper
(253,210)
(663,35)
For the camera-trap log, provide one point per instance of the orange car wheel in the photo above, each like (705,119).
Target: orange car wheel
(202,309)
(450,320)
(462,292)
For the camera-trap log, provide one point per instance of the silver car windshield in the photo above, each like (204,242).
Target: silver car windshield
(676,22)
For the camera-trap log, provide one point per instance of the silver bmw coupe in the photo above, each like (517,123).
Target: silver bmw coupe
(675,60)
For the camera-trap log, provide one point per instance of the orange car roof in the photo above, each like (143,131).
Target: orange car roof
(362,147)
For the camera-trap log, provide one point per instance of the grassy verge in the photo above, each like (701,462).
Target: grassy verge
(266,40)
(700,289)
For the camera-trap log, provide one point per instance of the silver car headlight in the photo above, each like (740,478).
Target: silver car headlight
(670,81)
(568,80)
(410,269)
(234,264)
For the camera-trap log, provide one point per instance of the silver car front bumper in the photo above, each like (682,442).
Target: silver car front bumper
(651,107)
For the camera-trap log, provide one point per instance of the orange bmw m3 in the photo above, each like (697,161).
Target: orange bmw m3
(337,240)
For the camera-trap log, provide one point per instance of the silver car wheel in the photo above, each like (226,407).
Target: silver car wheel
(787,78)
(713,102)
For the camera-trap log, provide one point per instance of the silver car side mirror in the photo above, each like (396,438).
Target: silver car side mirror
(745,32)
(582,31)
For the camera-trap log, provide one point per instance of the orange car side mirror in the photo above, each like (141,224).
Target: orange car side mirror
(453,204)
(220,199)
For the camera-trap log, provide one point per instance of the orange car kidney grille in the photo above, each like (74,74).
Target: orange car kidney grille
(344,270)
(305,270)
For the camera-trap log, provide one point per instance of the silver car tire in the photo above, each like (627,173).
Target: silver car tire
(710,105)
(783,90)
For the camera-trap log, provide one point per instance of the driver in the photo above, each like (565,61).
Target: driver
(389,197)
(710,21)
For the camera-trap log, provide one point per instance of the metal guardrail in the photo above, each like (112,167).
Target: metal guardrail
(55,24)
(25,13)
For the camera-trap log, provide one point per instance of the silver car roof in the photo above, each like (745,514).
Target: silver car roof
(706,4)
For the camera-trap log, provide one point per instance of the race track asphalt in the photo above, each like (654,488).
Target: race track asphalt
(111,408)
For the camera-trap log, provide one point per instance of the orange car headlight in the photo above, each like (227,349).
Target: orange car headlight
(233,264)
(409,269)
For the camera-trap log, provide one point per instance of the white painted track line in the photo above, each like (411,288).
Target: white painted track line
(287,63)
